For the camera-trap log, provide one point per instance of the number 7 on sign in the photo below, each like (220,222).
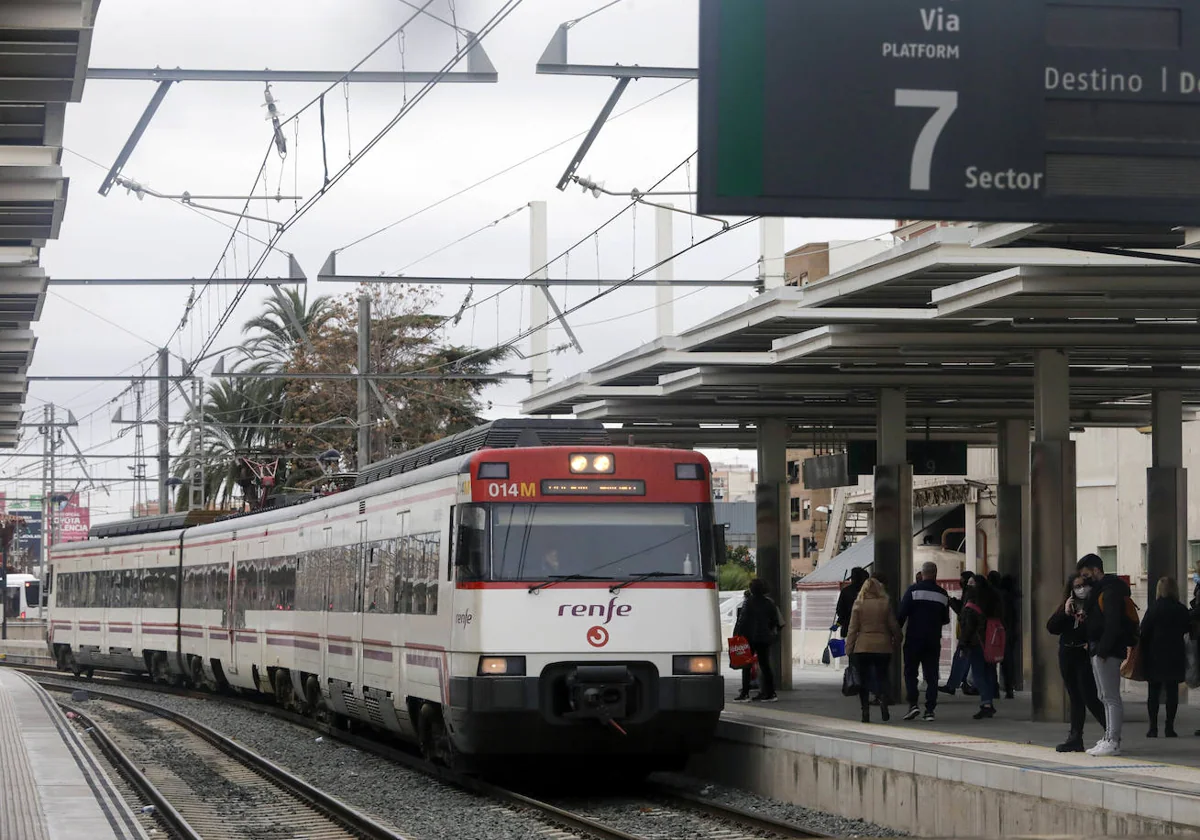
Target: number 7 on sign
(944,103)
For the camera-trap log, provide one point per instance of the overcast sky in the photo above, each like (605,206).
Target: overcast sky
(212,137)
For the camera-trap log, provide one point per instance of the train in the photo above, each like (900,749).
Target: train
(526,589)
(22,595)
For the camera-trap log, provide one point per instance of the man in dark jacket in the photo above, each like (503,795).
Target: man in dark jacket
(1109,637)
(845,602)
(759,621)
(925,609)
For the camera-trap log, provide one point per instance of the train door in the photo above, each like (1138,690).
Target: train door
(361,554)
(231,610)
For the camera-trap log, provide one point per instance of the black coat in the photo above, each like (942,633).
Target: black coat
(1164,629)
(1107,631)
(1070,631)
(758,621)
(845,604)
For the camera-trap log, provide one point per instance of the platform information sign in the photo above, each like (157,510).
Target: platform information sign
(977,110)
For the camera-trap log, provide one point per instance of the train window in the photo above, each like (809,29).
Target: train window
(470,557)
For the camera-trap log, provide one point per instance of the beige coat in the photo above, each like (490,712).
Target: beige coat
(873,627)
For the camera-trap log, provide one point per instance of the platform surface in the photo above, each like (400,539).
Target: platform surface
(51,786)
(1011,738)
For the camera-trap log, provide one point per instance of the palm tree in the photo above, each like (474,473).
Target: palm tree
(273,335)
(237,420)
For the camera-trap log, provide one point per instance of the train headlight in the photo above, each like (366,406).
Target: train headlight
(684,665)
(591,462)
(501,666)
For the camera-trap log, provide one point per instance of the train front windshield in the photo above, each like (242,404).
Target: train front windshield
(616,541)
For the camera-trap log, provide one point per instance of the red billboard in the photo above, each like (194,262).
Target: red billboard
(71,522)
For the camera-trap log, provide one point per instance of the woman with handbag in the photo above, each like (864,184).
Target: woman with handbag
(873,636)
(1165,628)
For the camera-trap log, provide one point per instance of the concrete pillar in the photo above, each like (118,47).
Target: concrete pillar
(1166,495)
(664,293)
(1012,528)
(1052,514)
(539,307)
(970,542)
(773,554)
(771,270)
(892,509)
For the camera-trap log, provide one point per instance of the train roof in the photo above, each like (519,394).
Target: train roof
(498,434)
(505,433)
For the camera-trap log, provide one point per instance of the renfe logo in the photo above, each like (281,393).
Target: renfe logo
(605,611)
(463,619)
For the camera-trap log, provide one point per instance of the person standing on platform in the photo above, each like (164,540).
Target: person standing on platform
(1068,623)
(1012,630)
(960,664)
(979,605)
(1109,635)
(847,597)
(925,609)
(759,621)
(874,635)
(1164,657)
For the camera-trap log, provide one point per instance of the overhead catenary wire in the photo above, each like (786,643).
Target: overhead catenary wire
(506,170)
(498,18)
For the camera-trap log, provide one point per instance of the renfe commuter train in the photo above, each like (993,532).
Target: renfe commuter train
(523,589)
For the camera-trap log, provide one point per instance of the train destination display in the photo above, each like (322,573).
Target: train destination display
(977,110)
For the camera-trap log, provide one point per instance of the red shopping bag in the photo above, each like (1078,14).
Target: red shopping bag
(740,654)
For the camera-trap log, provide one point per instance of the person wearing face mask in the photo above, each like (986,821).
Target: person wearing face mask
(1110,633)
(1068,623)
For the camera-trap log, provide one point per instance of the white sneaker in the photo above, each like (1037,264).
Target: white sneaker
(1105,748)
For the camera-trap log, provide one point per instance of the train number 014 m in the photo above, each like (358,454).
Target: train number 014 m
(512,490)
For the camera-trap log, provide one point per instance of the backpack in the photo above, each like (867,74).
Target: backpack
(994,638)
(1130,619)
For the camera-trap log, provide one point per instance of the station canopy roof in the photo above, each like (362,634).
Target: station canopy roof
(43,63)
(952,315)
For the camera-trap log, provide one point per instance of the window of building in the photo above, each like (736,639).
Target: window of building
(1193,554)
(807,508)
(795,509)
(795,545)
(793,471)
(1108,554)
(1145,562)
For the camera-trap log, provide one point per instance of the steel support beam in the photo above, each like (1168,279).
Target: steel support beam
(554,63)
(539,310)
(158,74)
(522,281)
(664,247)
(138,130)
(593,133)
(164,432)
(364,392)
(892,521)
(175,281)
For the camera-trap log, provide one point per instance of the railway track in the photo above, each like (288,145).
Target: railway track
(658,811)
(206,786)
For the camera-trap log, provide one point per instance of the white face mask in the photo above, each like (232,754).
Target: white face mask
(1081,592)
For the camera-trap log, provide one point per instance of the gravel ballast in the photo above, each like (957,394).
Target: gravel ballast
(421,807)
(426,809)
(803,817)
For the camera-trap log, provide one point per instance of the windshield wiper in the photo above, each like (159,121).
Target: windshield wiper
(560,578)
(646,576)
